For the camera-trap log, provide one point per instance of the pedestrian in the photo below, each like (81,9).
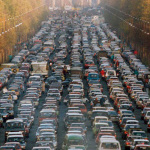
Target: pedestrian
(91,105)
(9,97)
(50,64)
(5,90)
(117,72)
(43,87)
(95,55)
(112,57)
(65,71)
(102,73)
(135,52)
(95,101)
(62,77)
(136,72)
(117,64)
(102,101)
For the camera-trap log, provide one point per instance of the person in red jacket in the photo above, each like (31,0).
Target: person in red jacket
(102,73)
(117,64)
(135,52)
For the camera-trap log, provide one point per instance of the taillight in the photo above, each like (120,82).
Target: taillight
(148,125)
(146,80)
(127,143)
(125,132)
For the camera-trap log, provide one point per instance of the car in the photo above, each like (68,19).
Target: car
(142,146)
(17,138)
(138,141)
(93,76)
(129,127)
(73,118)
(106,144)
(15,125)
(142,134)
(73,139)
(113,116)
(147,117)
(15,144)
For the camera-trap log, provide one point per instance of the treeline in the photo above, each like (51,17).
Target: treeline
(19,19)
(131,20)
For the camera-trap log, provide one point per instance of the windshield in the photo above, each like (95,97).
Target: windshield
(110,145)
(76,142)
(47,138)
(139,134)
(112,113)
(94,81)
(34,79)
(75,119)
(16,139)
(143,148)
(47,114)
(13,125)
(94,114)
(75,96)
(93,76)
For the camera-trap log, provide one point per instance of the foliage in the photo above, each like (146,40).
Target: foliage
(136,36)
(15,12)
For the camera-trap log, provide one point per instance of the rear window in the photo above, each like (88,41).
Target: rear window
(110,145)
(94,76)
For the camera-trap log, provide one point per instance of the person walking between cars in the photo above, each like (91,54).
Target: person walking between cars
(136,72)
(43,87)
(135,52)
(50,64)
(117,64)
(102,73)
(102,101)
(65,71)
(5,90)
(10,97)
(95,101)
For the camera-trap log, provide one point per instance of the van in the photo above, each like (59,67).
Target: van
(39,68)
(107,144)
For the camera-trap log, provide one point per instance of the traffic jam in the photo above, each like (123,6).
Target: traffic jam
(75,87)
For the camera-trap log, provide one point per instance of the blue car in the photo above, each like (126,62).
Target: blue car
(93,76)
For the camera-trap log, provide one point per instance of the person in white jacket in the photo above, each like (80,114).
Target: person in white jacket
(5,89)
